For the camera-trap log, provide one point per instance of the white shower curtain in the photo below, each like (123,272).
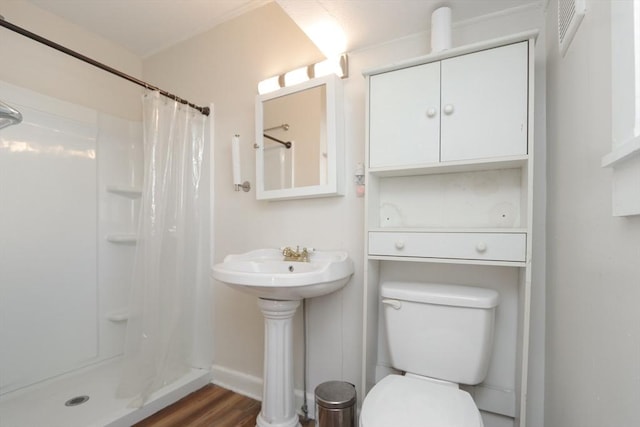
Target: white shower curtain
(161,325)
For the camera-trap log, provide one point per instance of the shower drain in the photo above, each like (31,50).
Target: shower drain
(75,401)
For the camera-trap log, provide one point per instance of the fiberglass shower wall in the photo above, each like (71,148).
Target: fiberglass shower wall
(69,180)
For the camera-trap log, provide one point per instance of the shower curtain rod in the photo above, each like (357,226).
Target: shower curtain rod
(47,42)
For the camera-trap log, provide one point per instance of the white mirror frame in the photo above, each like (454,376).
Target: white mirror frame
(335,144)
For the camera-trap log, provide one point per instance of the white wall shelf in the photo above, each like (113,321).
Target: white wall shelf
(448,261)
(128,192)
(119,316)
(507,162)
(122,238)
(448,230)
(125,191)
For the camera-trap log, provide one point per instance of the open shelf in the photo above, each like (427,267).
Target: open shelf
(122,238)
(448,261)
(119,316)
(125,191)
(510,162)
(516,230)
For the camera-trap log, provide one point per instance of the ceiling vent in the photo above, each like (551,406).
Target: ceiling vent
(570,14)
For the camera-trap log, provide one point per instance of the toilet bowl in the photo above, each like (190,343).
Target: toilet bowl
(441,336)
(402,401)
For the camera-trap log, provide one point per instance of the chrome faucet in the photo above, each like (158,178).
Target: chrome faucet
(291,255)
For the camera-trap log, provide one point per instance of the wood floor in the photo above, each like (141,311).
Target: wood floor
(211,406)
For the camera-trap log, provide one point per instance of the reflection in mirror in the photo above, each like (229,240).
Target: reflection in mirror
(296,141)
(278,160)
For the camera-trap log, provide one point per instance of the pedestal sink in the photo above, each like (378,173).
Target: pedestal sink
(280,285)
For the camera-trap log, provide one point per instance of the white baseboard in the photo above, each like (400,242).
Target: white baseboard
(251,386)
(236,381)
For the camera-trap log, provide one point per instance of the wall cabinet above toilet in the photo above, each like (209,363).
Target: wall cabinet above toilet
(472,106)
(449,199)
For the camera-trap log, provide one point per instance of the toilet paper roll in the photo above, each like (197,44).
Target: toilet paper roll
(441,29)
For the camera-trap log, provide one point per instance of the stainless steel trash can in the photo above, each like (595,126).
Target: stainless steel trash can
(336,404)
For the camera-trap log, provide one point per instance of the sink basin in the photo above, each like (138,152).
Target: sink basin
(263,273)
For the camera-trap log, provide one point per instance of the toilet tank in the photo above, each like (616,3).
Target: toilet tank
(439,331)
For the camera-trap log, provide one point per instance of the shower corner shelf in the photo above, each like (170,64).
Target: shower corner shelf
(122,238)
(126,191)
(119,316)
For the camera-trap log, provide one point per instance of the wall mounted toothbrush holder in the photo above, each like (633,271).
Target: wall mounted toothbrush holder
(238,184)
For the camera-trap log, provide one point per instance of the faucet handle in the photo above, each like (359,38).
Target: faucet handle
(287,251)
(297,255)
(304,255)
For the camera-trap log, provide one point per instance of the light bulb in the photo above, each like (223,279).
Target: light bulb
(269,85)
(296,76)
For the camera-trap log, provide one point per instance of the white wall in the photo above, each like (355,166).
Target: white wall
(224,66)
(265,42)
(593,275)
(32,65)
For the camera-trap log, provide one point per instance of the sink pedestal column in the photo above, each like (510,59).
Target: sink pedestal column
(278,406)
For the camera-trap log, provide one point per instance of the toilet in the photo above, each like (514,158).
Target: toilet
(440,336)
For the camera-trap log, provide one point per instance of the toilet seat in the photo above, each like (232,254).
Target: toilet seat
(411,402)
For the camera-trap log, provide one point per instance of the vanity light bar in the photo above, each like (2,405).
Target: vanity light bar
(297,76)
(338,65)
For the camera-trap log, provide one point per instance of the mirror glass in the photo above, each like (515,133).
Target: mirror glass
(297,141)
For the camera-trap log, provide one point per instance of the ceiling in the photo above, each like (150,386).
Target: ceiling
(167,22)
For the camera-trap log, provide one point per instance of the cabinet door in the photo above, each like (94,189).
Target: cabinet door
(484,104)
(404,116)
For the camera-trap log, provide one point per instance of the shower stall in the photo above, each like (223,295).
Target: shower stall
(71,188)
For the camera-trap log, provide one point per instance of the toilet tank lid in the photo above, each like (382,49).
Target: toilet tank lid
(441,294)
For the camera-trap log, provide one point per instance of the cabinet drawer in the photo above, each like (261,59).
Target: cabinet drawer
(472,246)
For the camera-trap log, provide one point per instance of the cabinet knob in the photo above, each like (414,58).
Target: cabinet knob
(448,109)
(431,112)
(399,244)
(481,247)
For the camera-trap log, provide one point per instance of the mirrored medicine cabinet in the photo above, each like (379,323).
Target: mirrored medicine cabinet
(299,141)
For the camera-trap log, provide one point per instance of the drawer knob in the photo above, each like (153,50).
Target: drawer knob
(481,247)
(448,109)
(399,244)
(431,112)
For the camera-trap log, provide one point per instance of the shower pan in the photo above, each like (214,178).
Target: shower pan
(8,115)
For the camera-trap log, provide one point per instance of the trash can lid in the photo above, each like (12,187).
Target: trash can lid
(335,394)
